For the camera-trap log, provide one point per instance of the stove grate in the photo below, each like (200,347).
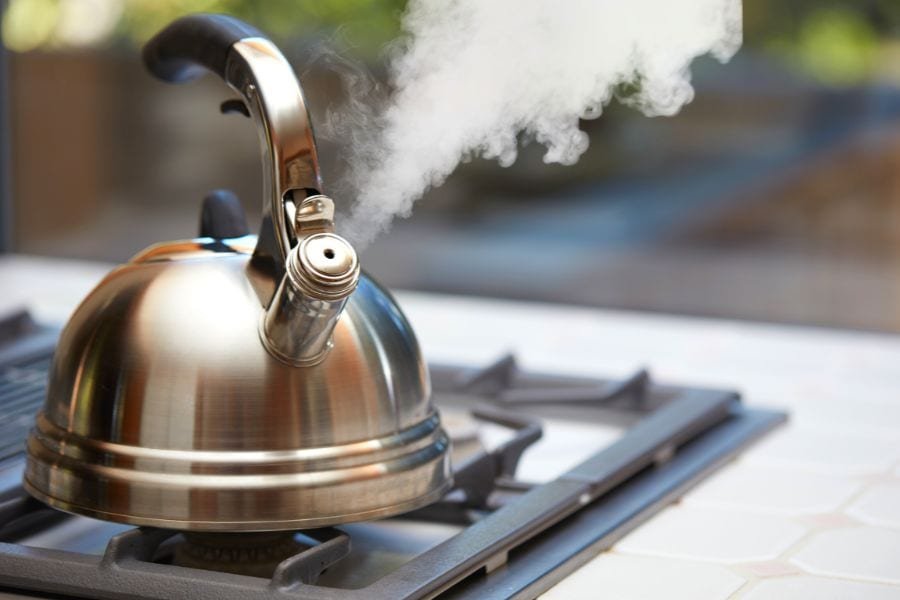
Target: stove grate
(537,533)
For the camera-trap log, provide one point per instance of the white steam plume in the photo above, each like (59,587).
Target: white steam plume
(472,77)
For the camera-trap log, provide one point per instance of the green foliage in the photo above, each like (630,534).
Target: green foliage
(838,42)
(363,25)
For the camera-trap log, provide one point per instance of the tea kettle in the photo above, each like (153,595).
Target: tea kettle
(236,383)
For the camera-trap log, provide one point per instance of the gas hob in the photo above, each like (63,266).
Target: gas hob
(549,471)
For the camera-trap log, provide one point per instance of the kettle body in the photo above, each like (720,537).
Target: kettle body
(241,383)
(165,409)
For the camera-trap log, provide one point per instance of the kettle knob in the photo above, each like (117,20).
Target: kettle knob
(222,216)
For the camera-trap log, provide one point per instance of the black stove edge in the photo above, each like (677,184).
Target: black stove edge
(539,564)
(489,541)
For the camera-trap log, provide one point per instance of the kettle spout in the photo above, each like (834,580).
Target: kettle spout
(321,273)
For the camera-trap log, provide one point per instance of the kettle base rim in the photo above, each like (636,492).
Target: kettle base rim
(238,491)
(240,526)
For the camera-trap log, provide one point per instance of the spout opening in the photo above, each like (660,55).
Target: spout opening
(324,266)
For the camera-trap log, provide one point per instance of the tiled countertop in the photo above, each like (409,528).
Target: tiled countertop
(813,511)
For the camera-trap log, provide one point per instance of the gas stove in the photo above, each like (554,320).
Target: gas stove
(548,471)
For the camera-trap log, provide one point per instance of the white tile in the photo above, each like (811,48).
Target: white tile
(850,414)
(829,452)
(879,505)
(805,587)
(873,388)
(777,491)
(590,339)
(51,288)
(620,577)
(865,553)
(713,535)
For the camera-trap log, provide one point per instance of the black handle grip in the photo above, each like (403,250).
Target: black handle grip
(193,44)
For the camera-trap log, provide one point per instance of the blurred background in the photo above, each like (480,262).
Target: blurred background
(774,196)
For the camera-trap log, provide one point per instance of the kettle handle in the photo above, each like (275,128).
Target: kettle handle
(253,67)
(194,44)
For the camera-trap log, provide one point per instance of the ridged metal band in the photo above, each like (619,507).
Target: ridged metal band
(211,490)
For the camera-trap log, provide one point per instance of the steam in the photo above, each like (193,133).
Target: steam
(477,77)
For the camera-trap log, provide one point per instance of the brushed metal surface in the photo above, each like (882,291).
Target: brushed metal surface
(164,408)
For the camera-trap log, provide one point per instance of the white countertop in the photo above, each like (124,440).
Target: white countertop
(813,511)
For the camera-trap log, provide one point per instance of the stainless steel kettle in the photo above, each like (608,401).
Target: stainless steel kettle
(231,383)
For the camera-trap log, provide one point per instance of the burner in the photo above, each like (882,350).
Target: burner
(245,553)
